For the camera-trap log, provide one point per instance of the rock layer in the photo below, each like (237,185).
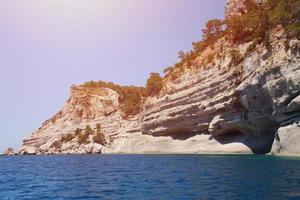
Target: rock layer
(218,108)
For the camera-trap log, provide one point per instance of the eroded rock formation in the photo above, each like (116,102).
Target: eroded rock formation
(218,108)
(9,152)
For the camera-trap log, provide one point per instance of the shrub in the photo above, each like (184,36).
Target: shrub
(294,30)
(212,30)
(236,29)
(129,96)
(249,26)
(199,46)
(98,128)
(154,85)
(168,70)
(132,105)
(280,13)
(255,24)
(88,130)
(67,138)
(181,55)
(83,137)
(99,137)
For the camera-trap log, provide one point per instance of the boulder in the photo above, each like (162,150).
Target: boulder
(287,140)
(9,152)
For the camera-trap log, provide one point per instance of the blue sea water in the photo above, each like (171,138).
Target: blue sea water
(165,177)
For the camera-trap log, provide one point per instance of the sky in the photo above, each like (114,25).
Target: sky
(48,45)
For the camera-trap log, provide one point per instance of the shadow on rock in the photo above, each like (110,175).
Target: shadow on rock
(260,144)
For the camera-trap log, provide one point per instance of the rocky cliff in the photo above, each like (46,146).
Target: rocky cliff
(243,99)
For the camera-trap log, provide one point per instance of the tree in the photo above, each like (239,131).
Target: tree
(282,13)
(154,84)
(88,130)
(83,137)
(212,29)
(77,131)
(132,99)
(98,128)
(168,69)
(181,55)
(99,137)
(236,28)
(129,96)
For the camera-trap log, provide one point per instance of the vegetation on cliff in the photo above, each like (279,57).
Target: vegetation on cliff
(254,25)
(130,97)
(83,136)
(67,138)
(154,85)
(99,137)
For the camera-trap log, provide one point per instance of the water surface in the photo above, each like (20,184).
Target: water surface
(166,177)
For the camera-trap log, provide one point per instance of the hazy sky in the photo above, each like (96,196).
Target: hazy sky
(48,45)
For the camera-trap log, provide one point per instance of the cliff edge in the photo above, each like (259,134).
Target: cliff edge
(238,91)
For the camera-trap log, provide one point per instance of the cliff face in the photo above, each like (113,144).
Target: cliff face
(219,108)
(86,106)
(246,103)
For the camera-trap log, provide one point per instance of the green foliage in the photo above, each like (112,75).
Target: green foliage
(130,96)
(154,85)
(286,13)
(88,130)
(199,46)
(294,30)
(99,137)
(168,70)
(248,27)
(98,128)
(181,55)
(281,12)
(255,24)
(83,137)
(67,138)
(132,104)
(212,30)
(236,29)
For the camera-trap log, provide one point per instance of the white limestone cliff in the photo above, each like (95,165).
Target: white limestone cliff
(219,108)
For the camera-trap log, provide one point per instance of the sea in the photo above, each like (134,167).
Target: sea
(157,177)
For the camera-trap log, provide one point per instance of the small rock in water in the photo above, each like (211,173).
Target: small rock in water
(9,152)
